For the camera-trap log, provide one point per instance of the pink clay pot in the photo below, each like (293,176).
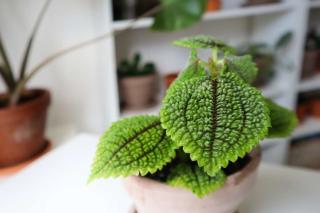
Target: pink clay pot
(138,92)
(155,197)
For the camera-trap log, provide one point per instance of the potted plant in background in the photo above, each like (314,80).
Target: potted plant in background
(137,82)
(23,111)
(267,57)
(201,153)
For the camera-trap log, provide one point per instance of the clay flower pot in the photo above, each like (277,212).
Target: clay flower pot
(156,197)
(169,78)
(22,128)
(310,61)
(316,108)
(213,5)
(138,92)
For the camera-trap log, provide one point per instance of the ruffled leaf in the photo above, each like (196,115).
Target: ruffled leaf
(244,66)
(203,42)
(216,121)
(195,179)
(177,14)
(131,146)
(283,121)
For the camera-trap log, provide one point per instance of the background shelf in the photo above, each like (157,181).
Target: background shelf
(310,84)
(218,15)
(309,127)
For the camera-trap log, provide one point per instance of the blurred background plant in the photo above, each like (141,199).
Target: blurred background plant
(168,16)
(267,57)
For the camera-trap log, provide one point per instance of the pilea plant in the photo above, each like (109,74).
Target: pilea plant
(211,117)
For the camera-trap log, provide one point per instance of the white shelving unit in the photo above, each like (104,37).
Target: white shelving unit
(263,23)
(219,15)
(310,84)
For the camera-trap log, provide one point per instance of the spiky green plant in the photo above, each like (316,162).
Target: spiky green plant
(134,67)
(210,117)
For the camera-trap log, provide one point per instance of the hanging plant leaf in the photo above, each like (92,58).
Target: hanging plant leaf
(215,120)
(132,146)
(244,66)
(203,42)
(177,14)
(283,121)
(195,179)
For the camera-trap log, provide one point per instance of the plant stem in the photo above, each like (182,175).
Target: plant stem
(21,84)
(213,62)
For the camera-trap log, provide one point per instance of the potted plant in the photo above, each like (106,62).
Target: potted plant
(22,111)
(137,82)
(201,153)
(266,57)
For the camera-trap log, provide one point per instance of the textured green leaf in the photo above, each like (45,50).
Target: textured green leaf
(193,69)
(203,42)
(244,66)
(195,179)
(177,14)
(131,146)
(216,121)
(283,121)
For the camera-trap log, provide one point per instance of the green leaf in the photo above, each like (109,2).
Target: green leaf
(5,70)
(283,121)
(216,121)
(26,55)
(244,66)
(284,40)
(195,179)
(203,42)
(193,69)
(131,146)
(177,14)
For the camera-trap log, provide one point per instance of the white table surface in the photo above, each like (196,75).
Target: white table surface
(57,184)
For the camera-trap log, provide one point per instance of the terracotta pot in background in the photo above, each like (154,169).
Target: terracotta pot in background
(315,110)
(213,5)
(22,128)
(302,111)
(156,197)
(310,62)
(169,78)
(138,92)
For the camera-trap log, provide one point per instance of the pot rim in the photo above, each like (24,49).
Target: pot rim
(42,100)
(233,179)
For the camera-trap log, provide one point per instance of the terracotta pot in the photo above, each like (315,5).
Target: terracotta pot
(156,197)
(169,78)
(310,62)
(138,92)
(316,108)
(213,5)
(302,111)
(22,128)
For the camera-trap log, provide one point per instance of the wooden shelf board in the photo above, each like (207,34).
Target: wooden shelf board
(218,15)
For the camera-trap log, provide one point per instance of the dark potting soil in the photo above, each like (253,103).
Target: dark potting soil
(231,168)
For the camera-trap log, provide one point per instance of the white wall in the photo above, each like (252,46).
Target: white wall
(77,82)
